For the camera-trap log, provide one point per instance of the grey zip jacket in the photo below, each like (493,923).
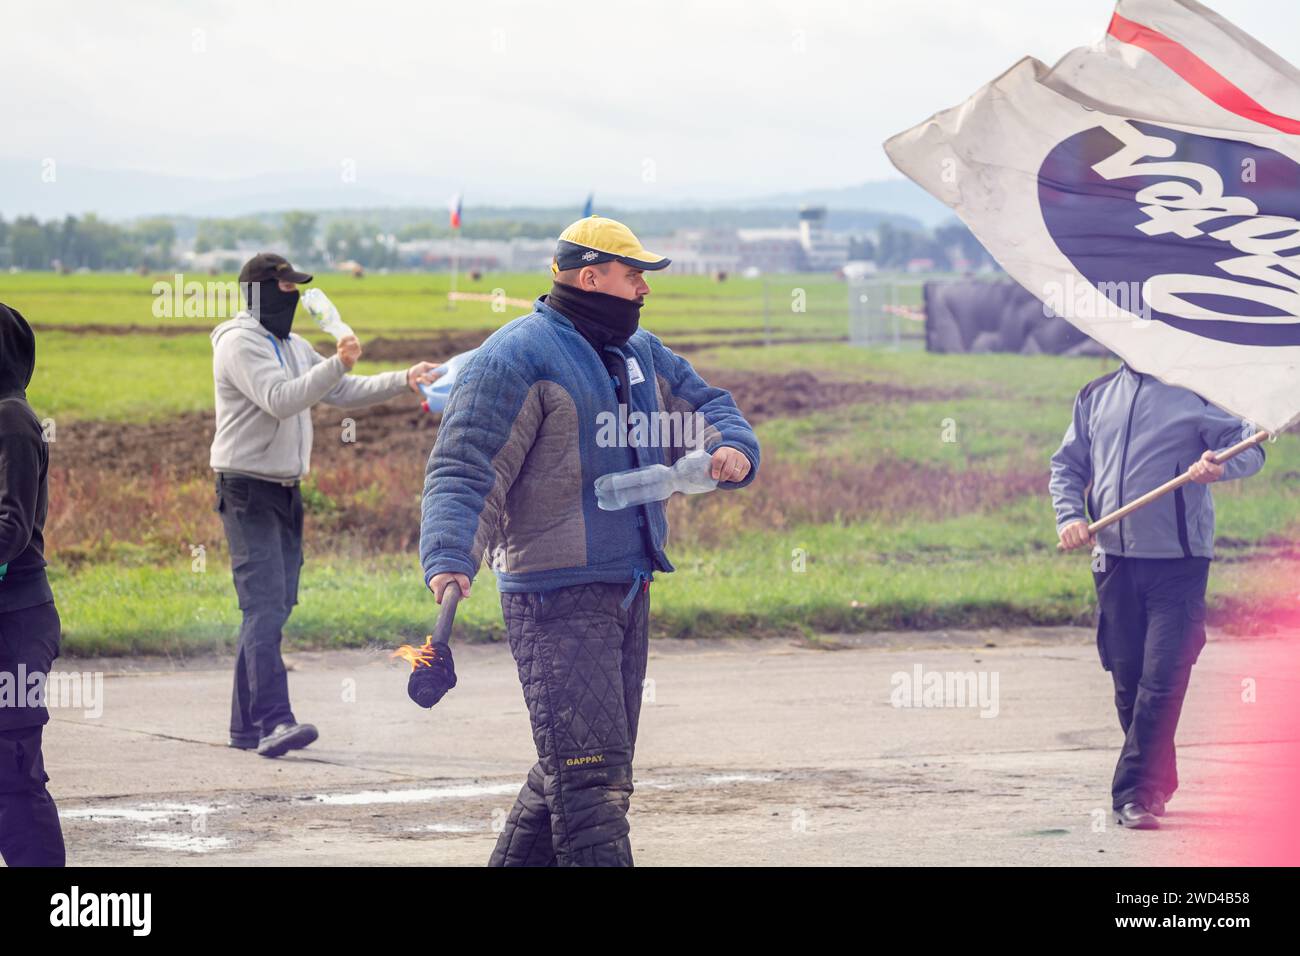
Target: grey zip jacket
(265,390)
(1132,433)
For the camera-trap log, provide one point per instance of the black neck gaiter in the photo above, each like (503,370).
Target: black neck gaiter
(274,308)
(602,319)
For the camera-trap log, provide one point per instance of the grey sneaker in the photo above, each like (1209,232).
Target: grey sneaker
(243,743)
(286,737)
(1134,816)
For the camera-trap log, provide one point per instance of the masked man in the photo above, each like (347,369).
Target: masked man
(267,380)
(1132,433)
(30,834)
(522,441)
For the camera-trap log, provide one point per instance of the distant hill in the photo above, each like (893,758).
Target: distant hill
(897,196)
(402,199)
(547,221)
(128,194)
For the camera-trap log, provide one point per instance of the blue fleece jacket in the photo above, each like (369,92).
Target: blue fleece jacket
(526,432)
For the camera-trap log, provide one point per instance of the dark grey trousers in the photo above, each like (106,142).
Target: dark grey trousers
(1150,631)
(263,522)
(30,833)
(582,663)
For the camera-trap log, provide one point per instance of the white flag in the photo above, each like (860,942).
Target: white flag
(1147,189)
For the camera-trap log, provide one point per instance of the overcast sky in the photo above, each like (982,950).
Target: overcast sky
(723,98)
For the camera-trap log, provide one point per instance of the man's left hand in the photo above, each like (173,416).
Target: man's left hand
(1206,470)
(421,373)
(729,464)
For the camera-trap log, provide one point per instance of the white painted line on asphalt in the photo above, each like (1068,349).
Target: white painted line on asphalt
(444,828)
(181,842)
(464,791)
(143,813)
(367,797)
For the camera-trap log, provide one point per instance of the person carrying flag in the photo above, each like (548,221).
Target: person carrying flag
(1131,433)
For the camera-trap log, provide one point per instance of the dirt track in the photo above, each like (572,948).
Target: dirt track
(749,752)
(398,346)
(179,445)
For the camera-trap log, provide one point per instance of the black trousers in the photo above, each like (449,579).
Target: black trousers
(1150,631)
(582,662)
(30,834)
(263,522)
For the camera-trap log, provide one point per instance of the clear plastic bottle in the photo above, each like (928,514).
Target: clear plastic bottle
(324,312)
(623,489)
(437,392)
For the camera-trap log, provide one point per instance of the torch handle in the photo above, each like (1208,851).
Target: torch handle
(446,613)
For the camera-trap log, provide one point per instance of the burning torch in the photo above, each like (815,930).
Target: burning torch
(433,672)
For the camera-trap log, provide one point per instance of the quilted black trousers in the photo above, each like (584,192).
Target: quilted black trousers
(582,662)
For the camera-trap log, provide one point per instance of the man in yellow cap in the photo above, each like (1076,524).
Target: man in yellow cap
(523,439)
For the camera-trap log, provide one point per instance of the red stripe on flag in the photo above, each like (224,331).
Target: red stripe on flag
(1205,78)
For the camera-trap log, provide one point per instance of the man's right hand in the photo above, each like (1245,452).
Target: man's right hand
(349,351)
(1075,535)
(439,582)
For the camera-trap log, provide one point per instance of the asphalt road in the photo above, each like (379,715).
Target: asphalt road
(762,752)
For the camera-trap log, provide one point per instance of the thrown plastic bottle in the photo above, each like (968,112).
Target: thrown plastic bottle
(437,393)
(623,489)
(324,312)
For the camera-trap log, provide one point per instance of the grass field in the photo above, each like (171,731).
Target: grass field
(910,493)
(412,303)
(79,316)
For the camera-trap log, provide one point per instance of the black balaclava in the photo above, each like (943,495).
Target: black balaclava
(273,307)
(17,352)
(602,319)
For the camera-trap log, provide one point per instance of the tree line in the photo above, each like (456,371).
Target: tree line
(88,242)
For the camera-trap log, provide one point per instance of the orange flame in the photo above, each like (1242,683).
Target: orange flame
(417,656)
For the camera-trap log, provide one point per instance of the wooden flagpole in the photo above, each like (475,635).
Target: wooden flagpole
(1121,513)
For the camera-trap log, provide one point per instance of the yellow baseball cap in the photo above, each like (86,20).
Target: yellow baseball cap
(595,239)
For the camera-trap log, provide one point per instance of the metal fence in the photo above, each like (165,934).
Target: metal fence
(879,311)
(807,306)
(886,312)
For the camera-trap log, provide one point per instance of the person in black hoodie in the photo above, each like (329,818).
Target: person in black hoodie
(30,834)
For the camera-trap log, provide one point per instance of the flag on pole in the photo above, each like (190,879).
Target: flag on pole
(586,207)
(1147,189)
(454,208)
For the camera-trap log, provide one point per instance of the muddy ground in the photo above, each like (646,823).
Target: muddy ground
(395,344)
(179,445)
(750,752)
